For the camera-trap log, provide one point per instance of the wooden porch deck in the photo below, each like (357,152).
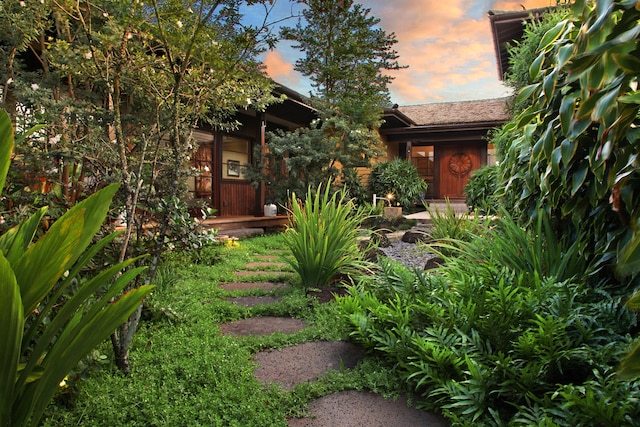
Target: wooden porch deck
(238,222)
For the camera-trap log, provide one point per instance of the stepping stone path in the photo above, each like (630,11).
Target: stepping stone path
(365,409)
(299,363)
(253,301)
(263,326)
(243,286)
(292,365)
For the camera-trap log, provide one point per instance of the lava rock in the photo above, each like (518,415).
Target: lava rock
(434,262)
(380,238)
(416,235)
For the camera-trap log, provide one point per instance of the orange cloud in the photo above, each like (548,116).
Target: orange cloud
(448,47)
(280,69)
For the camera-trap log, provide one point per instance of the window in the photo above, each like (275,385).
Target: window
(235,154)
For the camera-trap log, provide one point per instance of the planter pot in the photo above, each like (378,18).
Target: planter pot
(392,211)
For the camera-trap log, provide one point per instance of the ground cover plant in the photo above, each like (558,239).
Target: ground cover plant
(184,372)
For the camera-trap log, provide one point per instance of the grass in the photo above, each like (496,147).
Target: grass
(185,373)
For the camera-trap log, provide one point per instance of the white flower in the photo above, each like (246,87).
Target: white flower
(88,55)
(55,139)
(248,101)
(35,86)
(179,24)
(22,4)
(9,81)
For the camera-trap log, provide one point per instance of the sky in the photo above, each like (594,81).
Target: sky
(447,46)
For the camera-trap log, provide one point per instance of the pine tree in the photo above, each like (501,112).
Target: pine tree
(345,54)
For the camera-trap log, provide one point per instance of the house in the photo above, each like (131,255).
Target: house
(220,155)
(445,141)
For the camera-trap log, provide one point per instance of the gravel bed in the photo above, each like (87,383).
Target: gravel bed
(408,254)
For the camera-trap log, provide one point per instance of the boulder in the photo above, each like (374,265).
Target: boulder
(416,235)
(434,262)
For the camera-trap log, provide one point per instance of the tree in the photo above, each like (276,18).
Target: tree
(346,55)
(123,83)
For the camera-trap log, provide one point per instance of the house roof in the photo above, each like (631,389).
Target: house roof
(459,112)
(507,26)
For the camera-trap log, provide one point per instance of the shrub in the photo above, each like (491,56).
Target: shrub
(323,236)
(50,315)
(400,178)
(573,151)
(480,190)
(492,339)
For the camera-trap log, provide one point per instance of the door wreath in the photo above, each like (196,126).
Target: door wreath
(459,165)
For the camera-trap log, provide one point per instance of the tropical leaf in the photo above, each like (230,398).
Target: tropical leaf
(629,257)
(12,321)
(630,366)
(6,146)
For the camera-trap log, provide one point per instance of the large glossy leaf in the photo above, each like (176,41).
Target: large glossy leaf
(630,366)
(568,150)
(629,257)
(52,331)
(632,98)
(16,240)
(586,106)
(567,107)
(551,36)
(97,206)
(536,66)
(604,8)
(6,146)
(44,262)
(12,324)
(605,105)
(62,287)
(578,178)
(88,334)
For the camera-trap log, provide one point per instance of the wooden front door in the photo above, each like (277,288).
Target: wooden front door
(456,162)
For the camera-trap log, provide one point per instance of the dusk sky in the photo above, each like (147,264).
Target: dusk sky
(446,44)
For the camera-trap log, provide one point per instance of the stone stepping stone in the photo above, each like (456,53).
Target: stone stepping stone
(263,326)
(264,264)
(304,362)
(245,273)
(356,409)
(243,286)
(253,301)
(268,257)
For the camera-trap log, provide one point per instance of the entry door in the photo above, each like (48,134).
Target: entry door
(456,164)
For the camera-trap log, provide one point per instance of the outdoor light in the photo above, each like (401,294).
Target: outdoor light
(387,198)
